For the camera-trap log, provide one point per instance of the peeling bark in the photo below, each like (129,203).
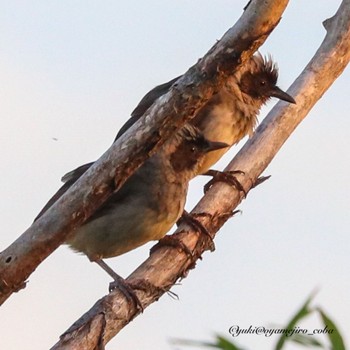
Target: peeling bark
(167,115)
(167,264)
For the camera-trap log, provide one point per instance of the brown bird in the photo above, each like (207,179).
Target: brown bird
(146,206)
(231,113)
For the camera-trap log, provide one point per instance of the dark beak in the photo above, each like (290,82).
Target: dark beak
(277,92)
(213,146)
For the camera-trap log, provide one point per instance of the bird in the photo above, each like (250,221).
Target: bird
(146,206)
(231,113)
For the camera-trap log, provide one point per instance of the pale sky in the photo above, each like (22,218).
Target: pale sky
(70,74)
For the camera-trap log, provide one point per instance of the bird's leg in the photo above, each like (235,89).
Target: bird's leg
(126,287)
(191,220)
(119,282)
(224,176)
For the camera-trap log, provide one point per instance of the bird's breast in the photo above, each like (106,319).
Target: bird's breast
(226,123)
(223,122)
(140,217)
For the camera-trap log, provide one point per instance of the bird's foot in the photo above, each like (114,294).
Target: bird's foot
(127,290)
(191,219)
(225,176)
(172,241)
(121,284)
(149,287)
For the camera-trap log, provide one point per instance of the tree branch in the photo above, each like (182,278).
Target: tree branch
(166,265)
(168,114)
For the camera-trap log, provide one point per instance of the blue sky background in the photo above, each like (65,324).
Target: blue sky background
(70,74)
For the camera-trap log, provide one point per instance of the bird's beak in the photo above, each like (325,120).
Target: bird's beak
(277,92)
(213,146)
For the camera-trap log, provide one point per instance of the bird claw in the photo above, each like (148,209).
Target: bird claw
(127,290)
(191,220)
(246,6)
(148,287)
(225,176)
(229,215)
(260,180)
(120,283)
(172,241)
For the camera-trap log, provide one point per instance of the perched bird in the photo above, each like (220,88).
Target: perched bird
(231,113)
(147,205)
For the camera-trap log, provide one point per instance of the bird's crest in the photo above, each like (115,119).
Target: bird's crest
(190,133)
(264,66)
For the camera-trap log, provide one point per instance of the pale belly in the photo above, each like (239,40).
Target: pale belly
(124,229)
(222,125)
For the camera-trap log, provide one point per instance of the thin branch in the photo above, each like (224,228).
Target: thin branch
(166,265)
(168,114)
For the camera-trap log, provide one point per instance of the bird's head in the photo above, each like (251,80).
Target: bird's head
(259,79)
(191,147)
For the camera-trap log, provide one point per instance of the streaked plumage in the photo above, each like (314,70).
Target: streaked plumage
(231,114)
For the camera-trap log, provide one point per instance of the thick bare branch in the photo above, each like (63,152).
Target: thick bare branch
(166,265)
(19,260)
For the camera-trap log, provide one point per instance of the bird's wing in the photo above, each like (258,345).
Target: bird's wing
(146,102)
(69,179)
(74,175)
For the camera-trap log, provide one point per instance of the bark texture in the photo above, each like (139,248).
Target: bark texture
(167,264)
(191,92)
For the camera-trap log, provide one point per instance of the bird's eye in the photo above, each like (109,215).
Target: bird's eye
(193,149)
(262,83)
